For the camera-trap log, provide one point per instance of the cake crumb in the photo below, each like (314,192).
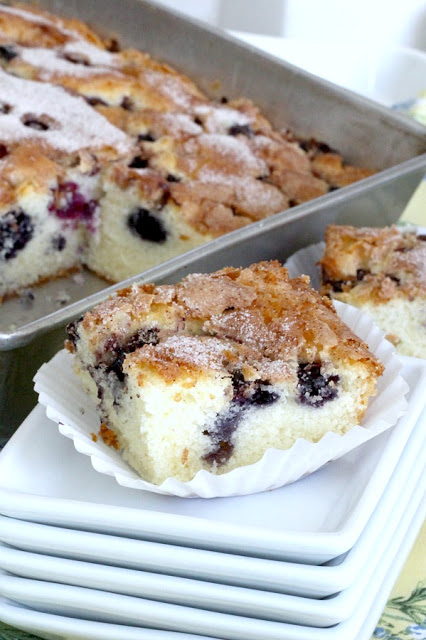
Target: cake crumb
(108,436)
(78,278)
(94,436)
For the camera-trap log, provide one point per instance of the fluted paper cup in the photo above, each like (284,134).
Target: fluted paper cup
(67,404)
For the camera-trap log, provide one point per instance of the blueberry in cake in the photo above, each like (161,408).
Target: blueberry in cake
(52,147)
(167,170)
(212,371)
(382,271)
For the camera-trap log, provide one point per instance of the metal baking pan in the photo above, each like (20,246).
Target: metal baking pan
(366,134)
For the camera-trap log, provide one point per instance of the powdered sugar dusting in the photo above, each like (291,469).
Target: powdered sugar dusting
(170,86)
(275,370)
(204,295)
(26,15)
(253,195)
(200,352)
(234,151)
(246,326)
(94,54)
(52,61)
(417,258)
(178,123)
(73,124)
(220,119)
(44,20)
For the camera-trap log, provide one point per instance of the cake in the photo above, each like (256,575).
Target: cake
(383,272)
(211,372)
(169,169)
(52,148)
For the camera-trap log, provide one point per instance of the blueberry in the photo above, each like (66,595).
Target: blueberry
(147,226)
(263,397)
(245,395)
(5,108)
(138,162)
(143,336)
(393,278)
(35,123)
(113,46)
(16,230)
(59,243)
(7,53)
(146,137)
(94,101)
(315,146)
(172,178)
(314,388)
(70,204)
(360,274)
(76,58)
(337,285)
(242,129)
(3,151)
(127,103)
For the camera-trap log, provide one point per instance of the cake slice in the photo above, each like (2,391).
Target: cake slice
(52,147)
(211,372)
(382,271)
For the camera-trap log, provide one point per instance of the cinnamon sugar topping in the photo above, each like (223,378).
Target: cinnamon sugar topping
(257,316)
(75,124)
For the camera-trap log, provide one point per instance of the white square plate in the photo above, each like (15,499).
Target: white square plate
(392,513)
(257,573)
(43,479)
(64,600)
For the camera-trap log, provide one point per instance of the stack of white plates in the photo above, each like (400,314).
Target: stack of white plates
(81,555)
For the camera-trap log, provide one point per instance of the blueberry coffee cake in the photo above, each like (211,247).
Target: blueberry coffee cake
(382,271)
(116,161)
(211,372)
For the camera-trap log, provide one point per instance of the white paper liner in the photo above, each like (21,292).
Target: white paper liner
(68,405)
(304,262)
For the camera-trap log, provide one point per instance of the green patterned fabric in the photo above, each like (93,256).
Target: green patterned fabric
(9,633)
(404,617)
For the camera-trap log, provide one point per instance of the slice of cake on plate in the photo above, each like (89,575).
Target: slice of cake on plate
(383,272)
(211,372)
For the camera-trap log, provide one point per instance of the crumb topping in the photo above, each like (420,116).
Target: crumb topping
(377,264)
(108,436)
(61,121)
(256,316)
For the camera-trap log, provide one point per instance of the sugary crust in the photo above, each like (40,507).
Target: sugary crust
(373,264)
(332,168)
(29,26)
(256,316)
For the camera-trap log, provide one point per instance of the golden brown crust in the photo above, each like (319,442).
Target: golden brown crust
(331,168)
(108,436)
(257,316)
(373,264)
